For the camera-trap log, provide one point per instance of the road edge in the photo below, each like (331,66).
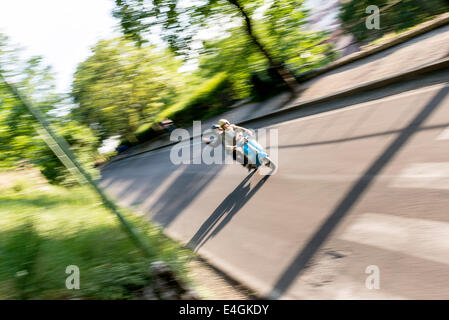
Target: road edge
(428,26)
(425,27)
(376,84)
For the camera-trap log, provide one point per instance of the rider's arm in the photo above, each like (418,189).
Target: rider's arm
(241,129)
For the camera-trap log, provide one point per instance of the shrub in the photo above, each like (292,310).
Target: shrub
(83,143)
(209,99)
(401,16)
(212,97)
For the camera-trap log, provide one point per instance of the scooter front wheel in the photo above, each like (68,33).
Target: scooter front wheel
(269,163)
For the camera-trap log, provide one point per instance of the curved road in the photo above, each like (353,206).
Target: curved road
(358,208)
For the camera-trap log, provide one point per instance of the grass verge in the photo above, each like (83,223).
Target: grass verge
(45,230)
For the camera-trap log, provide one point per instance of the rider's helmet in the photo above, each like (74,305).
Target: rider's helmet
(222,122)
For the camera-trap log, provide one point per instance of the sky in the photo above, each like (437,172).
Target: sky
(323,14)
(61,31)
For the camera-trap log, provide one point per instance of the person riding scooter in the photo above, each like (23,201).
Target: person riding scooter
(231,135)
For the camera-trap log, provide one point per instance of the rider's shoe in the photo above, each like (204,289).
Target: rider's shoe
(251,167)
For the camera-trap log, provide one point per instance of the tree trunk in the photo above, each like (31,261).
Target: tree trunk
(285,74)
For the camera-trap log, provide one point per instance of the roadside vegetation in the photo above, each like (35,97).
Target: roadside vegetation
(45,228)
(249,50)
(396,17)
(127,86)
(209,98)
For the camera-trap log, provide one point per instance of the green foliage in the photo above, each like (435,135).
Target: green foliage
(83,143)
(119,87)
(19,140)
(43,232)
(235,55)
(277,36)
(178,22)
(234,52)
(210,98)
(281,30)
(21,259)
(403,15)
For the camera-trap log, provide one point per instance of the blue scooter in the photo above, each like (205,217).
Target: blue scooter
(255,153)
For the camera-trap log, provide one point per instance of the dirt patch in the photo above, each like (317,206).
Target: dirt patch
(27,176)
(212,284)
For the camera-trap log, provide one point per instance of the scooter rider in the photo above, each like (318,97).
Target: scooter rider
(232,134)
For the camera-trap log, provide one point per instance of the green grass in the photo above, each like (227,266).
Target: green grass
(389,36)
(44,231)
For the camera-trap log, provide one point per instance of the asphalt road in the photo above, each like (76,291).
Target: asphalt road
(362,185)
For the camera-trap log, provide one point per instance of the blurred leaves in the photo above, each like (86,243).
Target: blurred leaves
(120,86)
(284,32)
(235,55)
(400,16)
(212,97)
(19,141)
(180,22)
(281,30)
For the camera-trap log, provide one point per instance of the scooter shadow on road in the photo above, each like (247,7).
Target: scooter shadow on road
(227,209)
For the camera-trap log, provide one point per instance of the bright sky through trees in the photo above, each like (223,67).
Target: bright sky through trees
(62,31)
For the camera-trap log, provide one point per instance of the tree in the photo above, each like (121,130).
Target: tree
(282,28)
(234,55)
(19,141)
(120,87)
(181,20)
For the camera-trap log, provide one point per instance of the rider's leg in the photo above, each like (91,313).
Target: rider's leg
(240,157)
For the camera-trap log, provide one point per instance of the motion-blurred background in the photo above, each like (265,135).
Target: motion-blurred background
(163,64)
